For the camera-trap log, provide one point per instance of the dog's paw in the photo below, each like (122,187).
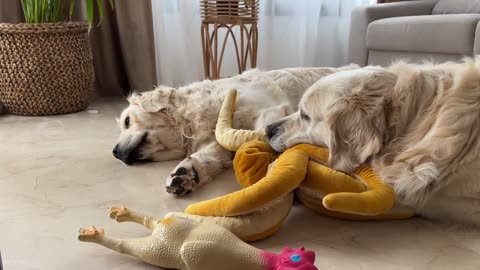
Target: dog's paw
(184,179)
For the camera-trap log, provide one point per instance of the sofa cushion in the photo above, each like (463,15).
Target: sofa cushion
(451,33)
(456,6)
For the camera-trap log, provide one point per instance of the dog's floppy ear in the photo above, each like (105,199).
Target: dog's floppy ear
(155,100)
(357,122)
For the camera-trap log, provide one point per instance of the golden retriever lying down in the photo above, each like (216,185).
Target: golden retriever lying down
(168,124)
(417,125)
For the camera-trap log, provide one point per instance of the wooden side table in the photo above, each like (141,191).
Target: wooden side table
(228,14)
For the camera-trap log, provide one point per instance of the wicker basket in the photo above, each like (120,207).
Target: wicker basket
(229,10)
(45,69)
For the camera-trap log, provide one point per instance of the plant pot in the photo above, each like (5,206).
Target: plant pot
(45,69)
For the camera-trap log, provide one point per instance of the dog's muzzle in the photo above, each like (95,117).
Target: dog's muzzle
(272,129)
(129,154)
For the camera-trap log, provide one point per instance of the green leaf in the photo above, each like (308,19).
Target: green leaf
(72,8)
(89,11)
(41,11)
(35,12)
(25,11)
(100,9)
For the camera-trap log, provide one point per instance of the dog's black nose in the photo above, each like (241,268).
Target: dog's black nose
(272,129)
(115,152)
(127,157)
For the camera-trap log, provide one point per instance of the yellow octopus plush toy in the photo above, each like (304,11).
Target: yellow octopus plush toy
(269,179)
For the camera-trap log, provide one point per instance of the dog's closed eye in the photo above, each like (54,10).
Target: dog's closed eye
(127,122)
(304,116)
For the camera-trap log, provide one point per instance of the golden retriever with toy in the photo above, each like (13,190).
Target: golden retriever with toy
(417,125)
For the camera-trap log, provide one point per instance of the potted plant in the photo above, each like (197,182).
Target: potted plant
(46,64)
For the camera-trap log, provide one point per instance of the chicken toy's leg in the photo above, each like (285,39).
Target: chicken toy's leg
(146,249)
(122,214)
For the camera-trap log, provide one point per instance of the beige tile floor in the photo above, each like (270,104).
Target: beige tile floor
(57,174)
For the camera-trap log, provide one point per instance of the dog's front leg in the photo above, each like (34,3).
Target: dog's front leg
(199,168)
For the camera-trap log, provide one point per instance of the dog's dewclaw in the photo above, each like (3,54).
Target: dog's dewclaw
(226,135)
(378,199)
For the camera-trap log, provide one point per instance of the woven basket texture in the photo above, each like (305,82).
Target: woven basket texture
(45,69)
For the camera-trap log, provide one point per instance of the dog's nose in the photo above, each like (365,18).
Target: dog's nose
(271,130)
(127,157)
(115,152)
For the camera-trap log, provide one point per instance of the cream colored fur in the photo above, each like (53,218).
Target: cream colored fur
(168,124)
(417,124)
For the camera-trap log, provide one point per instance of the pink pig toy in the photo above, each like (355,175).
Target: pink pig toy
(291,259)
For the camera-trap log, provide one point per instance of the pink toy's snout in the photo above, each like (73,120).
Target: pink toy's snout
(292,259)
